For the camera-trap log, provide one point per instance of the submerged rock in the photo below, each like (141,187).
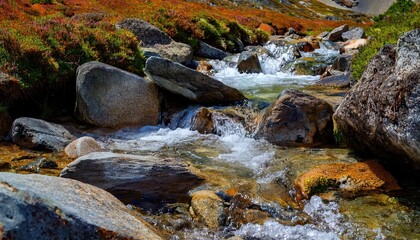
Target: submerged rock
(40,163)
(248,63)
(189,83)
(296,119)
(207,208)
(350,179)
(134,177)
(36,133)
(110,97)
(81,147)
(43,207)
(381,114)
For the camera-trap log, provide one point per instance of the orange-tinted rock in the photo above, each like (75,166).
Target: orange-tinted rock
(351,179)
(205,67)
(207,208)
(203,121)
(81,147)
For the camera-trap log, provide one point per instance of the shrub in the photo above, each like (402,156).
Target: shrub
(401,17)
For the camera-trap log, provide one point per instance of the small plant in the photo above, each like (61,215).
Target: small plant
(42,1)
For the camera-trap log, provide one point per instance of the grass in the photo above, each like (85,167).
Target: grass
(401,17)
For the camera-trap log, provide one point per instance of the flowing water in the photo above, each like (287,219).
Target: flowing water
(233,161)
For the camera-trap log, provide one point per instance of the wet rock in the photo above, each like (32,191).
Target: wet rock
(207,51)
(56,208)
(354,33)
(207,208)
(5,124)
(134,178)
(151,37)
(205,67)
(350,179)
(194,118)
(110,97)
(337,34)
(381,113)
(36,133)
(190,84)
(5,166)
(322,35)
(81,147)
(278,40)
(306,66)
(38,164)
(248,63)
(296,119)
(305,47)
(342,63)
(336,81)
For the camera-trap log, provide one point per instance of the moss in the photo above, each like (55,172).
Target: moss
(319,185)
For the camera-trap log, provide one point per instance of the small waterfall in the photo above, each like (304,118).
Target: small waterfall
(225,126)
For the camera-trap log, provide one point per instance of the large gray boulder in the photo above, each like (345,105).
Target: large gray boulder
(36,133)
(337,34)
(296,119)
(248,63)
(189,83)
(110,97)
(43,207)
(134,177)
(381,114)
(207,51)
(155,40)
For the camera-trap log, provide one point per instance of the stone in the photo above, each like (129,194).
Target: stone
(44,207)
(296,119)
(205,67)
(306,66)
(39,134)
(146,33)
(81,147)
(207,208)
(175,51)
(155,40)
(207,51)
(110,97)
(336,81)
(354,44)
(342,63)
(336,34)
(350,179)
(5,124)
(354,33)
(193,85)
(134,177)
(381,113)
(38,164)
(248,63)
(194,118)
(305,47)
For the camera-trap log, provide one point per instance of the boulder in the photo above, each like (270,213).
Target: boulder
(350,179)
(342,63)
(133,177)
(43,207)
(354,44)
(381,114)
(152,37)
(189,83)
(336,81)
(207,207)
(5,124)
(207,51)
(39,134)
(175,51)
(248,63)
(337,34)
(110,97)
(354,33)
(81,147)
(296,119)
(146,33)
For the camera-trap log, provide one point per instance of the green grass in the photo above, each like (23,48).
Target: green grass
(401,17)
